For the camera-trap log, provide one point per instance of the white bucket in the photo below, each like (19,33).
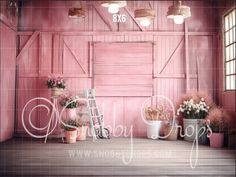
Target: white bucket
(153,129)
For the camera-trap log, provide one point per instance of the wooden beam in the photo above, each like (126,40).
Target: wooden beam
(132,16)
(186,56)
(95,33)
(104,17)
(178,47)
(5,21)
(175,76)
(170,76)
(90,59)
(27,45)
(75,57)
(55,68)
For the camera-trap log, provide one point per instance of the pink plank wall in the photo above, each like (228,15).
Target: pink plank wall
(227,99)
(7,81)
(67,47)
(8,15)
(7,70)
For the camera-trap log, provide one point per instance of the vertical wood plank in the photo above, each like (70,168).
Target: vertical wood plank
(186,55)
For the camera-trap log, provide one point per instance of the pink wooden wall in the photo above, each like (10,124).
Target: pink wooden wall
(227,99)
(7,73)
(64,46)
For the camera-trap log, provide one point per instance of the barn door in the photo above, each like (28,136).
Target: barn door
(42,54)
(123,80)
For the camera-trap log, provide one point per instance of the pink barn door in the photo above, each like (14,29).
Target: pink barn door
(123,80)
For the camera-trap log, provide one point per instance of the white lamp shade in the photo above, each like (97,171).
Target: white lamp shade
(113,8)
(109,3)
(145,16)
(179,19)
(145,22)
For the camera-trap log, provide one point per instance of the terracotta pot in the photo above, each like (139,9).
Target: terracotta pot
(153,129)
(82,132)
(191,127)
(173,133)
(71,136)
(55,92)
(70,113)
(217,140)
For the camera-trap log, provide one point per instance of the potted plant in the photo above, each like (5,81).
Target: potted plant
(82,129)
(56,84)
(70,103)
(218,121)
(155,118)
(193,108)
(171,131)
(71,130)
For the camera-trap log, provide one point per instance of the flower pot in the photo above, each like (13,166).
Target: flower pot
(191,127)
(203,139)
(71,136)
(217,140)
(55,92)
(172,133)
(153,129)
(82,132)
(70,113)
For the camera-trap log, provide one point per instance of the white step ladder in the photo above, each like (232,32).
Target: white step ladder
(96,119)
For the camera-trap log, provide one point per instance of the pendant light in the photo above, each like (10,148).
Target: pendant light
(76,12)
(144,16)
(178,12)
(113,6)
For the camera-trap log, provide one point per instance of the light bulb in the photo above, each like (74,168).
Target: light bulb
(113,8)
(179,19)
(145,22)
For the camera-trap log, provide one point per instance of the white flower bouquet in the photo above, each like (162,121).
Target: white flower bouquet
(192,109)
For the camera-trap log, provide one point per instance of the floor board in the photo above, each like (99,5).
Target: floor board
(31,157)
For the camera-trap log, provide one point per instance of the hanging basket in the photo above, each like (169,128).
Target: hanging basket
(55,92)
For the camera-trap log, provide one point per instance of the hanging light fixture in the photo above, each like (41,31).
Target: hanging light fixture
(76,12)
(178,12)
(113,6)
(145,16)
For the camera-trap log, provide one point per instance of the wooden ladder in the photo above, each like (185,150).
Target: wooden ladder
(96,119)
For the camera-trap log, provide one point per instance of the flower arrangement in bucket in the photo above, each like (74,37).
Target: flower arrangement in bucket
(56,84)
(193,107)
(218,120)
(71,130)
(155,117)
(70,103)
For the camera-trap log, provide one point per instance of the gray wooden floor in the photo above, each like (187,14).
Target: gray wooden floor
(30,157)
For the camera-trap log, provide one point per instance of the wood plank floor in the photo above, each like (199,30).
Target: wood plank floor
(30,157)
